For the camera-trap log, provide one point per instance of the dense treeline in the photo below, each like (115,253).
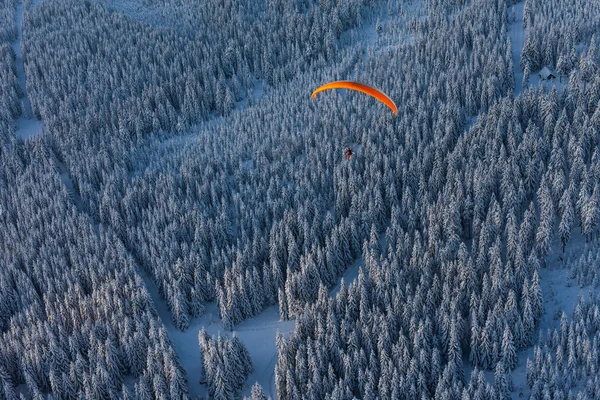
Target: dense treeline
(8,27)
(567,358)
(10,91)
(75,319)
(227,364)
(81,113)
(171,77)
(189,213)
(74,281)
(157,90)
(556,30)
(470,278)
(458,268)
(257,206)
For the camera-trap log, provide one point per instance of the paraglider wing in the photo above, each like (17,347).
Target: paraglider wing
(361,87)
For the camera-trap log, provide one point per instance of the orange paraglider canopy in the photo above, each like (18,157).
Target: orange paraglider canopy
(361,87)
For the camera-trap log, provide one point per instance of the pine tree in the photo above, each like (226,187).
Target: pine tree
(6,385)
(455,355)
(590,212)
(531,375)
(474,356)
(527,313)
(502,382)
(509,352)
(546,226)
(257,393)
(566,219)
(142,389)
(242,353)
(222,390)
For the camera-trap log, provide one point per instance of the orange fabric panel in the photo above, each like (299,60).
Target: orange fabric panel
(371,91)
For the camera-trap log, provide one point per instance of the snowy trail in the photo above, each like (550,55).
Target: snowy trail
(27,124)
(65,177)
(185,343)
(517,37)
(349,276)
(351,273)
(257,334)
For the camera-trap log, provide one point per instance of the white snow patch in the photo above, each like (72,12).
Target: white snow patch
(129,381)
(178,140)
(559,83)
(22,390)
(471,121)
(258,334)
(258,89)
(581,48)
(27,128)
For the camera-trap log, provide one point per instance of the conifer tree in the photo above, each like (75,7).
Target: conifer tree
(509,353)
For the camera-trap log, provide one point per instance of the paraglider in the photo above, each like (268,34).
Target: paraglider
(360,87)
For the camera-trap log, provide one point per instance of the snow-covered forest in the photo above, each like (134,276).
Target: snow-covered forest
(186,226)
(10,107)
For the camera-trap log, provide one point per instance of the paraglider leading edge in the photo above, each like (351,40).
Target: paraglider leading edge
(361,87)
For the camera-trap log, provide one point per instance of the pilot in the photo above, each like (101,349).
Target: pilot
(348,152)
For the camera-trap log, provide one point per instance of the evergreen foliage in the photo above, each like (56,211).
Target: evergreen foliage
(249,206)
(227,364)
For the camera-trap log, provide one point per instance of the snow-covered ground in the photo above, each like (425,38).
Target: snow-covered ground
(517,37)
(349,276)
(27,124)
(257,92)
(28,127)
(535,81)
